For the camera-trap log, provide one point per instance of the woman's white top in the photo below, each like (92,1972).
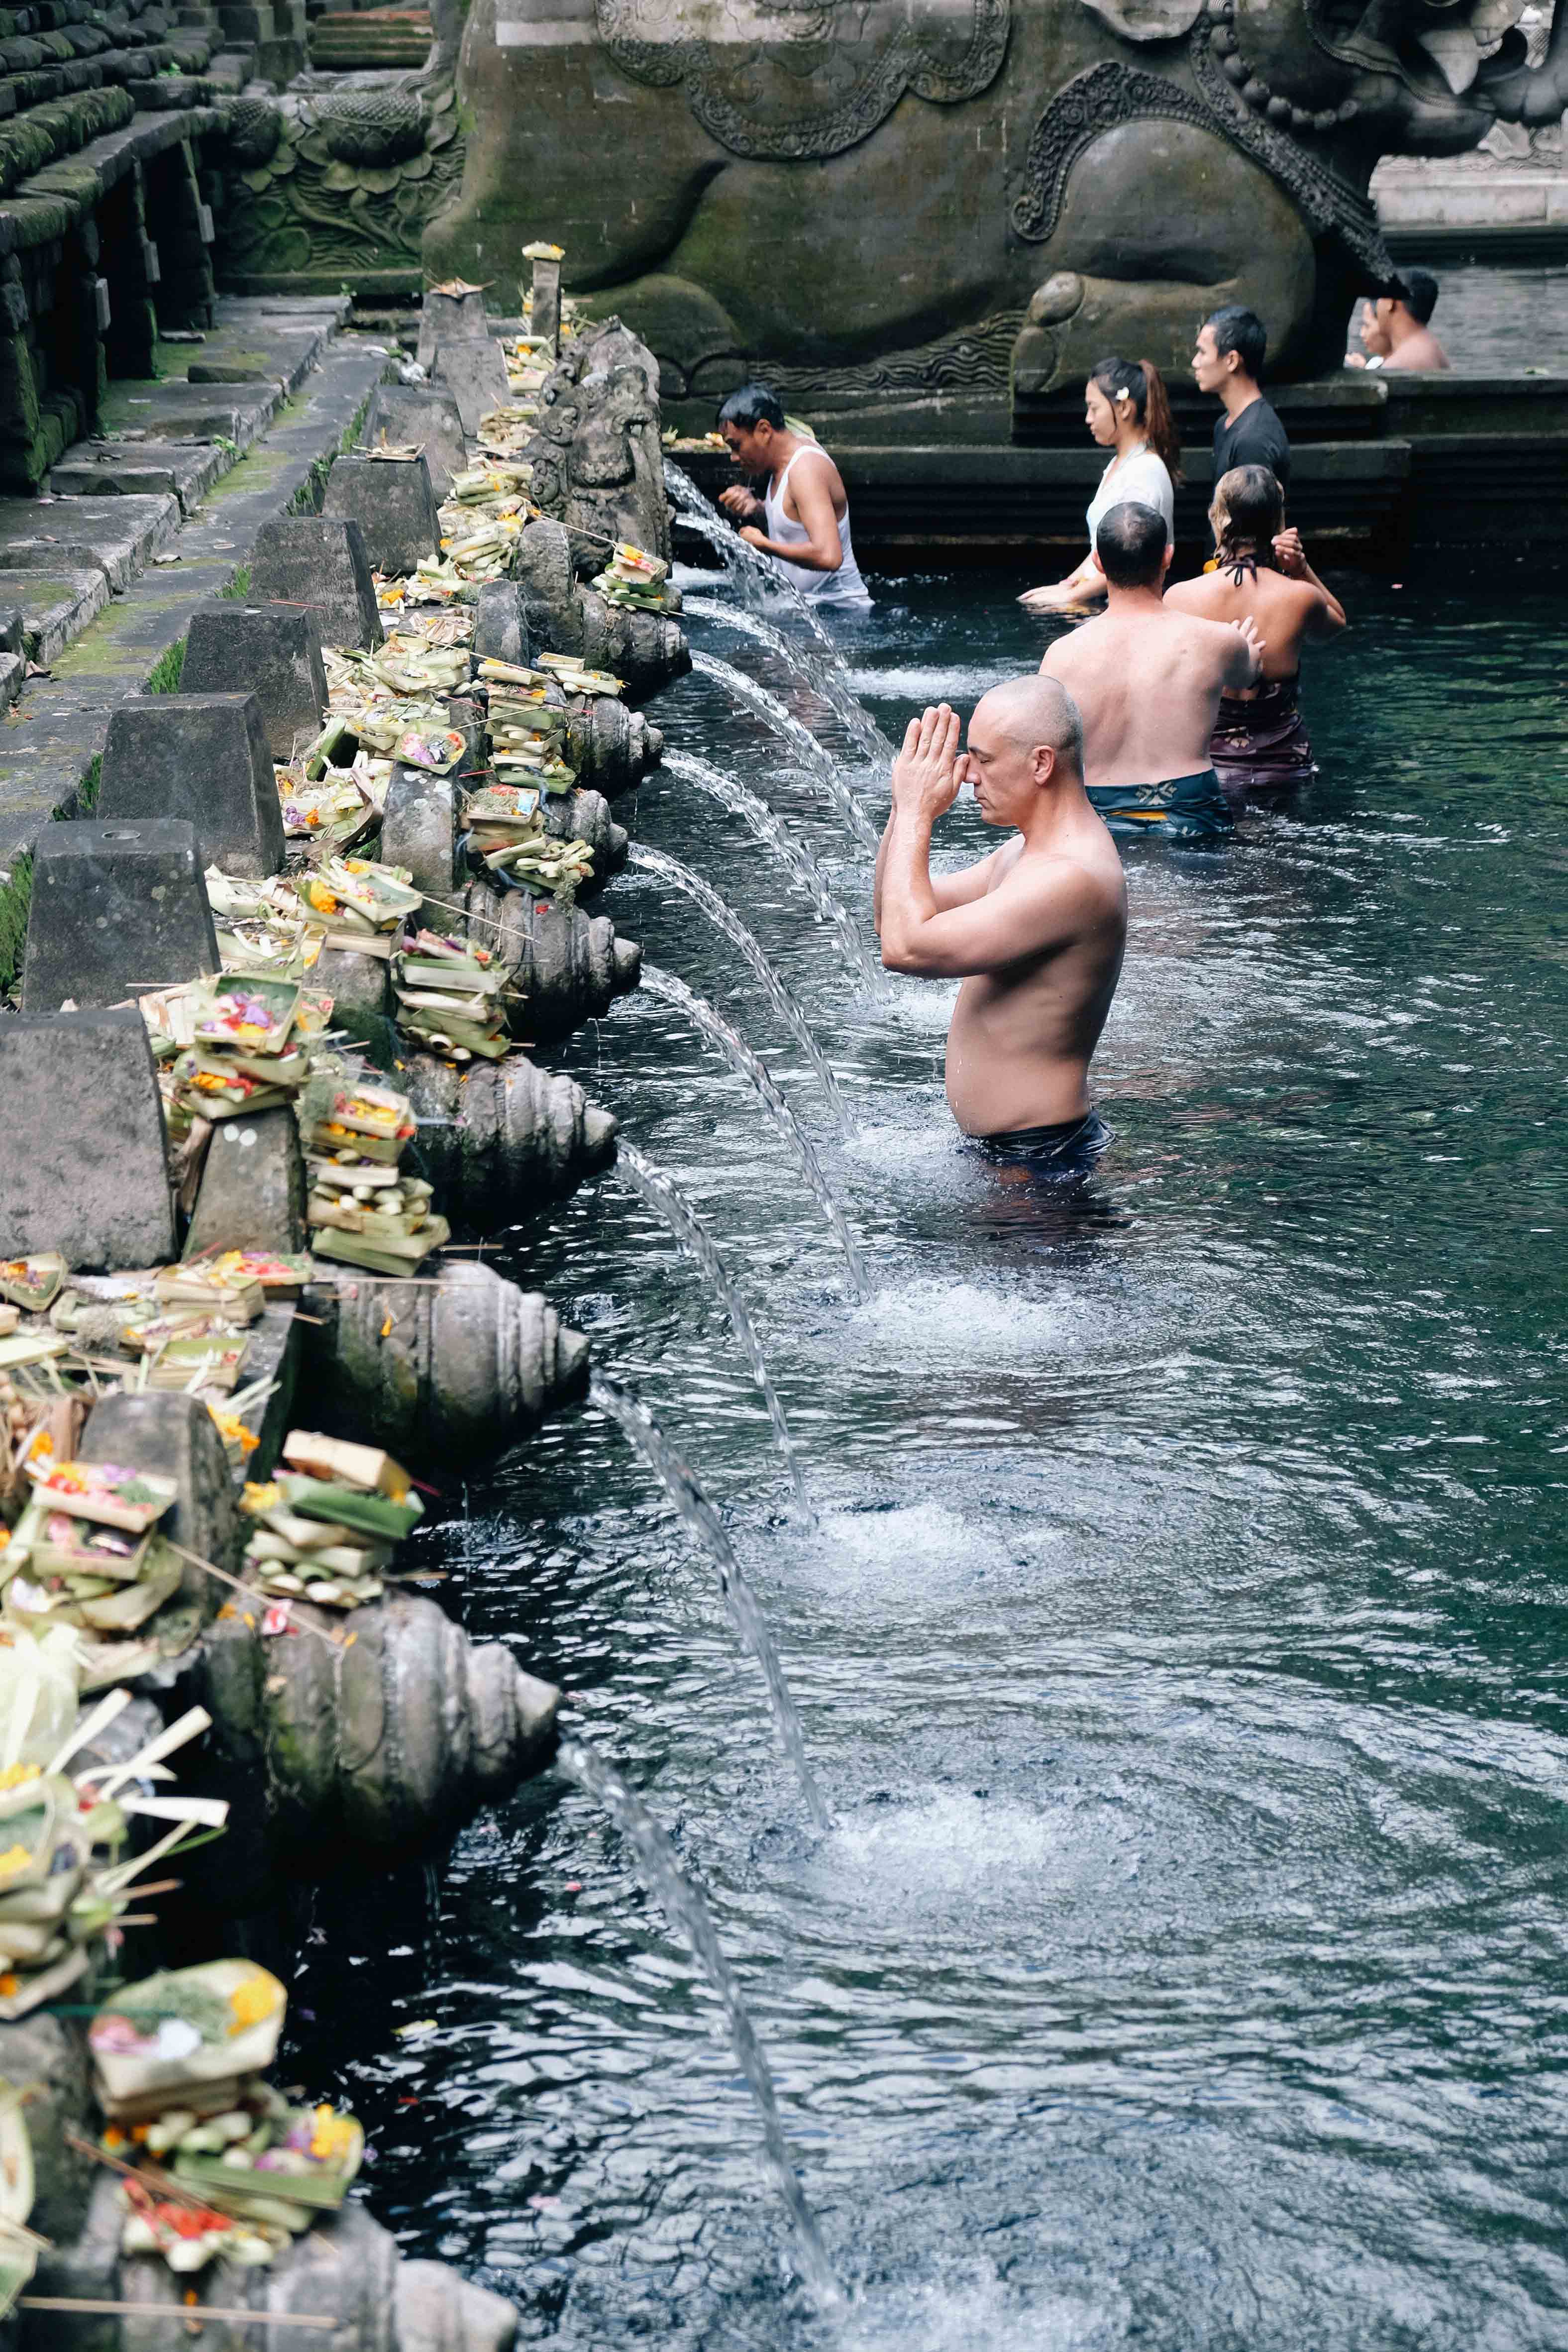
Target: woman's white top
(1140,478)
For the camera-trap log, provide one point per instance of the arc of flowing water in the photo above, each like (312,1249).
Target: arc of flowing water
(768,827)
(827,678)
(756,575)
(707,1017)
(684,1908)
(724,920)
(662,1193)
(698,1515)
(801,740)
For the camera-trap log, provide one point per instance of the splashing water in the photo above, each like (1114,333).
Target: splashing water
(739,1055)
(828,680)
(760,579)
(813,755)
(662,1193)
(724,918)
(684,1908)
(768,827)
(697,1515)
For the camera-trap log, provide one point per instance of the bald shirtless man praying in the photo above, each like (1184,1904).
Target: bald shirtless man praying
(1036,930)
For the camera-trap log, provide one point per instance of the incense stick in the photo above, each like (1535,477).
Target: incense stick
(251,1592)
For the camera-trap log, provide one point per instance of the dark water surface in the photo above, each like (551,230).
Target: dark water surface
(1182,1655)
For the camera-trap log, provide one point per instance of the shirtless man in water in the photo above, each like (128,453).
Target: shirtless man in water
(1148,679)
(1036,930)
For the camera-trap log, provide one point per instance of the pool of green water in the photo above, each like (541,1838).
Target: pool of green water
(1182,1651)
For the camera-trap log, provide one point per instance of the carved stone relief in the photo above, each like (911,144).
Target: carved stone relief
(800,81)
(1111,93)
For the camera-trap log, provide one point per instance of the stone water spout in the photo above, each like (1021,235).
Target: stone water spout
(684,1908)
(501,1139)
(568,966)
(438,1370)
(724,920)
(585,816)
(705,1017)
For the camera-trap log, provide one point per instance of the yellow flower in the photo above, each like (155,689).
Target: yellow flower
(252,2001)
(15,1775)
(333,2137)
(15,1858)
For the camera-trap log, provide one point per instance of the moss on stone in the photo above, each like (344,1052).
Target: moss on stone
(165,675)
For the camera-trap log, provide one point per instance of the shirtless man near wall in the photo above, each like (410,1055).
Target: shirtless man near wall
(1148,679)
(1036,930)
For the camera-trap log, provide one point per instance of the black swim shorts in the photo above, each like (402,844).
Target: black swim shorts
(1061,1154)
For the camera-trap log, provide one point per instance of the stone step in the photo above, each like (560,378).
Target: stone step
(55,605)
(117,536)
(47,749)
(140,468)
(192,412)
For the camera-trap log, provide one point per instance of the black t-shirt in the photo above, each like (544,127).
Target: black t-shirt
(1255,437)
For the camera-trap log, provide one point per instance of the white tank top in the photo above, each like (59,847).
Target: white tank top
(843,586)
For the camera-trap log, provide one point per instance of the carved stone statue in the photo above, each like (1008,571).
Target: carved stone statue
(898,198)
(596,455)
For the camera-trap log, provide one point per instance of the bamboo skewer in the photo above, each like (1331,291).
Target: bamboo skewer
(103,2306)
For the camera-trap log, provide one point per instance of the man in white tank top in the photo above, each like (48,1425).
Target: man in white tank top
(804,519)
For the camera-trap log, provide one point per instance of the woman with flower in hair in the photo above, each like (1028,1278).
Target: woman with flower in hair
(1128,412)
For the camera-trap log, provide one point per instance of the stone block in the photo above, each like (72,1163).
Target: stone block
(427,418)
(319,565)
(419,828)
(251,1192)
(204,757)
(474,373)
(544,570)
(175,1436)
(114,906)
(501,631)
(277,650)
(544,319)
(393,505)
(360,989)
(450,319)
(83,1160)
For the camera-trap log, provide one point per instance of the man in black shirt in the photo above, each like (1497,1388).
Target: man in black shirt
(1227,362)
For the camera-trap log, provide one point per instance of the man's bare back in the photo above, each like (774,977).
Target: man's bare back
(1036,930)
(1148,679)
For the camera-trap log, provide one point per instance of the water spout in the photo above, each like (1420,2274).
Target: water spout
(813,755)
(739,1055)
(724,920)
(828,678)
(662,1193)
(769,828)
(698,1515)
(684,1908)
